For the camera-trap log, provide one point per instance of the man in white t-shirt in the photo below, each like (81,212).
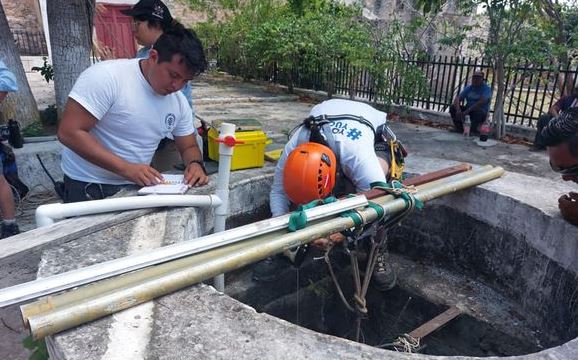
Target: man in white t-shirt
(119,110)
(353,129)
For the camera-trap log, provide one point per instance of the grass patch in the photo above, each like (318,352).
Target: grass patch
(46,126)
(34,129)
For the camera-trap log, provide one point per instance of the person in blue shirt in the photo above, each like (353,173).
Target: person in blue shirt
(9,227)
(474,101)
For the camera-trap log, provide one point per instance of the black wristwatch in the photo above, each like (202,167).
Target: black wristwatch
(200,162)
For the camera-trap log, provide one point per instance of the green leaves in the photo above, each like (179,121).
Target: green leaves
(38,347)
(315,39)
(46,70)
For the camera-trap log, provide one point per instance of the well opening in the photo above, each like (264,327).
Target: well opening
(513,299)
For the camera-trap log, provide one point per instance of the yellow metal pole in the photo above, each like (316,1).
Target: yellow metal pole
(203,266)
(50,303)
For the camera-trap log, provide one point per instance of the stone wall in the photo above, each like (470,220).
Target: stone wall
(23,14)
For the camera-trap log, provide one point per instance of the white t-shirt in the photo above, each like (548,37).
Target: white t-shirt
(133,118)
(354,140)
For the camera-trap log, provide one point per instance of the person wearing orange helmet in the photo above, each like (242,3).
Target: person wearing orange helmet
(340,157)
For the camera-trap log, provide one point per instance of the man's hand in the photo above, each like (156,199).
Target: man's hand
(141,174)
(194,175)
(568,205)
(325,243)
(107,53)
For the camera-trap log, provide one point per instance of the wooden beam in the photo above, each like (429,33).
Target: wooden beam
(423,179)
(435,323)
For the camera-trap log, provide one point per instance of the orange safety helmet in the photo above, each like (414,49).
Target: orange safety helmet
(309,173)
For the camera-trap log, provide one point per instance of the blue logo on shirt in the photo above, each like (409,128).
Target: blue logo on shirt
(169,121)
(354,134)
(339,127)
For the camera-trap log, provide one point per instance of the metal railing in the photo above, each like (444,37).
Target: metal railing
(530,88)
(30,43)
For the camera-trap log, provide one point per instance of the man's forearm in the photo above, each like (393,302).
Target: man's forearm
(190,154)
(554,111)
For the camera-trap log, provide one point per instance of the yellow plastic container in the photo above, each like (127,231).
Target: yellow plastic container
(250,154)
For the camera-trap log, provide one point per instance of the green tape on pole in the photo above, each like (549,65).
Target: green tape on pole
(378,209)
(298,219)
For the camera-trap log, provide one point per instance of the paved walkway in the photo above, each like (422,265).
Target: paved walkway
(219,98)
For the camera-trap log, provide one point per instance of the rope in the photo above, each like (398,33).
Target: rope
(399,190)
(406,343)
(378,209)
(359,306)
(33,198)
(355,216)
(298,219)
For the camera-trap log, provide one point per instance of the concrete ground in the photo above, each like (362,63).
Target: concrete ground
(225,98)
(278,115)
(221,97)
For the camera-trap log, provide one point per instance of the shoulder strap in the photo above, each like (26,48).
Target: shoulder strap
(360,119)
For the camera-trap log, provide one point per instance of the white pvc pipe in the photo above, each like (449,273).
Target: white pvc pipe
(49,213)
(222,189)
(49,285)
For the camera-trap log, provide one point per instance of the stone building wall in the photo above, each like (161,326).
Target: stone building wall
(23,14)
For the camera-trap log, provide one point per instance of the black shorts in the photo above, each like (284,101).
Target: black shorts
(75,190)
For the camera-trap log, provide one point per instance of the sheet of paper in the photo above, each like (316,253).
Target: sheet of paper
(172,184)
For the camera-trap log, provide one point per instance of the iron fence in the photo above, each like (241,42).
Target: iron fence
(30,43)
(530,89)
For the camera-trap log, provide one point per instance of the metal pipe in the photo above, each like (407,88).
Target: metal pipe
(203,266)
(50,303)
(52,284)
(49,213)
(33,289)
(226,152)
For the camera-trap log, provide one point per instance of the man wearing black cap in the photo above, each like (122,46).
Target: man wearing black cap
(477,97)
(150,19)
(561,138)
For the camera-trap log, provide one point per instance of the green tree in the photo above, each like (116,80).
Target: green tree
(317,38)
(532,30)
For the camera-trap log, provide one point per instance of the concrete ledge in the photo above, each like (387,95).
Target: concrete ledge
(29,169)
(444,118)
(200,323)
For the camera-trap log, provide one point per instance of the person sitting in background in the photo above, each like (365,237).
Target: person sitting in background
(561,138)
(9,226)
(564,103)
(477,97)
(117,113)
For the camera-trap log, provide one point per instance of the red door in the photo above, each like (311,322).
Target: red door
(114,30)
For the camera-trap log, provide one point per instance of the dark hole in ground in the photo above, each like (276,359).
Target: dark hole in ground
(390,315)
(403,309)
